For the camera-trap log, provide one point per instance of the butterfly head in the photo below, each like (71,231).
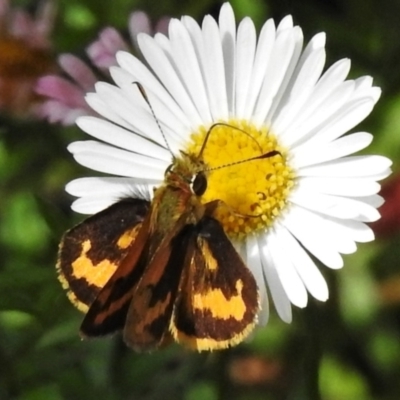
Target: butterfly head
(187,172)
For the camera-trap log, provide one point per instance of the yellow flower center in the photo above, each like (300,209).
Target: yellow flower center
(253,192)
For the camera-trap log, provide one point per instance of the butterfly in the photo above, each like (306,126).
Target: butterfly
(161,271)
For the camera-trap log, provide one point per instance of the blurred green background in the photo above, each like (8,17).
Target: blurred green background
(345,349)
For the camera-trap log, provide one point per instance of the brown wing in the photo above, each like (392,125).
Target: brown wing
(149,314)
(107,313)
(90,253)
(139,285)
(218,300)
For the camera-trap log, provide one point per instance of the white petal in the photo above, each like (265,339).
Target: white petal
(143,121)
(376,94)
(330,80)
(261,61)
(307,154)
(333,230)
(345,119)
(335,206)
(311,237)
(280,60)
(317,42)
(189,68)
(227,29)
(328,83)
(102,108)
(305,266)
(298,132)
(364,82)
(286,82)
(381,175)
(173,123)
(355,187)
(196,35)
(278,294)
(374,201)
(153,87)
(214,69)
(92,205)
(246,46)
(120,137)
(356,166)
(99,193)
(164,43)
(347,230)
(301,83)
(286,23)
(103,158)
(122,103)
(98,186)
(359,231)
(254,264)
(105,186)
(291,282)
(365,89)
(167,74)
(300,91)
(367,213)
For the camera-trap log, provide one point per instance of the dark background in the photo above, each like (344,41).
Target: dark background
(347,348)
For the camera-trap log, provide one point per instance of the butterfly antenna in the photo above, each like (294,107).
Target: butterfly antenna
(146,99)
(260,157)
(228,126)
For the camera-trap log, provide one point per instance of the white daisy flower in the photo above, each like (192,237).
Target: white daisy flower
(312,199)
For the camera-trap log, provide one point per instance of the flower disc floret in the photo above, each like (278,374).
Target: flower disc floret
(253,192)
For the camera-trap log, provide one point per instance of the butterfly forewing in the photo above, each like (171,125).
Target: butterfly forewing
(218,299)
(91,252)
(108,311)
(139,285)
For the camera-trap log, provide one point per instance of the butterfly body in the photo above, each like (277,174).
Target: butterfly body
(177,275)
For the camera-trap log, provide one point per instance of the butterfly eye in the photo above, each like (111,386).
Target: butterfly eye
(199,184)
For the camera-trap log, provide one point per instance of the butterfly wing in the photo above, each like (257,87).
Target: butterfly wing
(90,253)
(139,285)
(107,313)
(218,300)
(149,315)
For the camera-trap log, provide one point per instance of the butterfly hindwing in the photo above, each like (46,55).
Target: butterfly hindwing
(218,301)
(91,252)
(149,314)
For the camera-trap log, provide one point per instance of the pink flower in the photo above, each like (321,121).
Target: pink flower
(25,54)
(66,97)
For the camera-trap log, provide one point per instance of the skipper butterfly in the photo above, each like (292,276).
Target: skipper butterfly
(162,270)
